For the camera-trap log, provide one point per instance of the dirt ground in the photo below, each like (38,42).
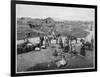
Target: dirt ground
(39,60)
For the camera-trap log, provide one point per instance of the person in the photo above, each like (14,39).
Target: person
(92,43)
(60,58)
(57,37)
(60,42)
(78,46)
(73,47)
(41,40)
(66,46)
(83,53)
(47,40)
(61,62)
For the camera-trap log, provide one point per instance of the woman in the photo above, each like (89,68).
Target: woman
(60,43)
(66,46)
(73,46)
(83,53)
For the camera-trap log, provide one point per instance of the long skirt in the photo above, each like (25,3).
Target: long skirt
(61,45)
(66,49)
(83,53)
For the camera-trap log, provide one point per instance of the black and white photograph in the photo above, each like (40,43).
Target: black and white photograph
(54,38)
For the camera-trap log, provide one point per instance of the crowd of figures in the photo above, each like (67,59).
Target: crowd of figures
(73,46)
(69,44)
(63,45)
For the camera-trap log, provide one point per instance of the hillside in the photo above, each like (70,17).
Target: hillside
(47,25)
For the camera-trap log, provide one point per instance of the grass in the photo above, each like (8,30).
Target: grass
(75,28)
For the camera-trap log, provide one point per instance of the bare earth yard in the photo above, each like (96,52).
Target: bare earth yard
(38,60)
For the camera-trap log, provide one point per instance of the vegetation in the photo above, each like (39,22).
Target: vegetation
(47,25)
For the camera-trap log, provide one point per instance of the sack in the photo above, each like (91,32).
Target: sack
(37,48)
(61,62)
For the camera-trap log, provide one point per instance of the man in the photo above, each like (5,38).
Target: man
(47,40)
(41,40)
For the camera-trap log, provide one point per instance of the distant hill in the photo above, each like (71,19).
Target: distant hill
(47,25)
(58,19)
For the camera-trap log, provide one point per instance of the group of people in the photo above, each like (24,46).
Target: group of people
(45,40)
(72,45)
(67,48)
(69,44)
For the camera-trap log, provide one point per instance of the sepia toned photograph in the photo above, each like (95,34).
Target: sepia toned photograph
(54,38)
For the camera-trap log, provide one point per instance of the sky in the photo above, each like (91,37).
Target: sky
(65,13)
